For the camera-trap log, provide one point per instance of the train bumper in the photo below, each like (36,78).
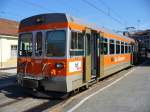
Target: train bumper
(57,84)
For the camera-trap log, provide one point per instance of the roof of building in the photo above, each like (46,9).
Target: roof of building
(8,27)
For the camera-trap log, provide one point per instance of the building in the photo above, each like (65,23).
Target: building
(143,37)
(8,42)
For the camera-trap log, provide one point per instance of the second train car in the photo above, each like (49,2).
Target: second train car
(60,53)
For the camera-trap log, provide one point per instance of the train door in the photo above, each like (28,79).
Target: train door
(103,51)
(87,74)
(38,60)
(95,55)
(132,54)
(92,55)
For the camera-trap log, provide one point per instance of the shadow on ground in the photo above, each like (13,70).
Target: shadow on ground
(10,89)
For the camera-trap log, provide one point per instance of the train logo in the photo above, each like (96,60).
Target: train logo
(75,66)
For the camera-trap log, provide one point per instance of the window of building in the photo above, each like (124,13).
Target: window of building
(77,44)
(112,46)
(38,44)
(118,47)
(122,47)
(13,50)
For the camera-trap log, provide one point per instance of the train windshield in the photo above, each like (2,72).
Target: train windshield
(25,44)
(56,43)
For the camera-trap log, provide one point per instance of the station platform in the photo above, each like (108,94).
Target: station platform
(129,93)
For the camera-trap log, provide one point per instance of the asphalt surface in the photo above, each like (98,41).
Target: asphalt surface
(14,99)
(7,77)
(130,94)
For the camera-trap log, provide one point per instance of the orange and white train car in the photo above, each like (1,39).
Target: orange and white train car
(60,53)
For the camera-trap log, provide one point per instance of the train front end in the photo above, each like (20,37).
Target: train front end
(42,53)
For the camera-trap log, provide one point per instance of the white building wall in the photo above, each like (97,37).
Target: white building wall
(5,47)
(0,49)
(5,50)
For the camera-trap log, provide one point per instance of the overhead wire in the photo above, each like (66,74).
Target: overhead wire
(36,5)
(9,13)
(85,1)
(102,11)
(113,11)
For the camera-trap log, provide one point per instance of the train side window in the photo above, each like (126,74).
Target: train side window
(56,43)
(129,49)
(126,48)
(77,44)
(101,46)
(105,46)
(132,48)
(38,44)
(112,46)
(136,48)
(80,41)
(73,40)
(88,47)
(122,47)
(117,47)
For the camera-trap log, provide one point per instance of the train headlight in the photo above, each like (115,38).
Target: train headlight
(59,65)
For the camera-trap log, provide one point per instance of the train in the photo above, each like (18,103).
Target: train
(61,53)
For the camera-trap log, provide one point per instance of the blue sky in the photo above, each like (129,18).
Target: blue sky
(129,13)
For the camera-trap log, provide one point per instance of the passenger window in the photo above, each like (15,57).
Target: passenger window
(25,44)
(80,43)
(38,44)
(73,40)
(56,43)
(105,46)
(136,48)
(117,47)
(88,45)
(77,44)
(112,47)
(129,48)
(133,49)
(122,47)
(126,48)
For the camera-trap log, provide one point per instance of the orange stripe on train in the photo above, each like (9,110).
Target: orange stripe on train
(72,25)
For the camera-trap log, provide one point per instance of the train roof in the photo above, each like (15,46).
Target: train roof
(62,17)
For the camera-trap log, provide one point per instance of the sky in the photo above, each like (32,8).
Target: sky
(115,15)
